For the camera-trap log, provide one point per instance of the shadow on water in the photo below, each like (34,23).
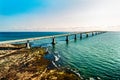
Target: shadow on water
(67,43)
(53,47)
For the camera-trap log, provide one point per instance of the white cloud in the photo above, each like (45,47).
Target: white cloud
(79,15)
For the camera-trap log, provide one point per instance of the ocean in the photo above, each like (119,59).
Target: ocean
(5,36)
(97,56)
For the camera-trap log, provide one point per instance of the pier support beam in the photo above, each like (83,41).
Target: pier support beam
(28,44)
(92,33)
(87,35)
(53,41)
(95,33)
(75,37)
(80,35)
(67,38)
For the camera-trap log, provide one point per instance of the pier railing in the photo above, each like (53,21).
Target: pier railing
(27,41)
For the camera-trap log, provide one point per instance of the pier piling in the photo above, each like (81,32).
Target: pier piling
(28,44)
(80,35)
(87,35)
(53,41)
(67,38)
(92,33)
(75,37)
(95,33)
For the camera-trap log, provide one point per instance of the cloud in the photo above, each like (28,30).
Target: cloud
(67,15)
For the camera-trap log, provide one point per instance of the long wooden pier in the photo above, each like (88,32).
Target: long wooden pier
(28,40)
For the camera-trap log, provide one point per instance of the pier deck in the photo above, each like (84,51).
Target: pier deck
(54,36)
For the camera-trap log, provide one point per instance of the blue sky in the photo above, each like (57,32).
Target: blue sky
(14,7)
(59,15)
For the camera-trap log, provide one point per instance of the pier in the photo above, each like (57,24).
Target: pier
(53,42)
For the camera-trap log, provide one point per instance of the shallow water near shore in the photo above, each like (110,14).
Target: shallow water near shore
(97,56)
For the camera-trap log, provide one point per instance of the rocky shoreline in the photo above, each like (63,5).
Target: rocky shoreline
(19,63)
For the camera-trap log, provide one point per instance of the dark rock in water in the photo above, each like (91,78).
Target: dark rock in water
(49,57)
(54,59)
(69,70)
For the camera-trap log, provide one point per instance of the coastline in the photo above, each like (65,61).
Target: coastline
(17,62)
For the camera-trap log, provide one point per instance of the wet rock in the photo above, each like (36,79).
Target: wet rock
(54,78)
(91,78)
(7,67)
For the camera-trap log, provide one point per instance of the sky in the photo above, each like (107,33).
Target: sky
(59,15)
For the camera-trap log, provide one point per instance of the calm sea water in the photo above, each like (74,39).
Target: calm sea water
(93,56)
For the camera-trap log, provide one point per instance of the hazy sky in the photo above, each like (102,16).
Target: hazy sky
(59,15)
